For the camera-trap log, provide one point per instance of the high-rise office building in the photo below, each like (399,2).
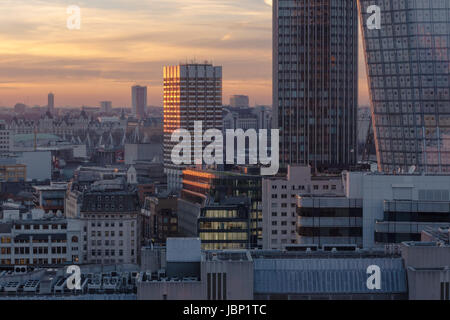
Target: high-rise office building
(239,101)
(106,106)
(315,81)
(408,66)
(192,92)
(139,101)
(51,103)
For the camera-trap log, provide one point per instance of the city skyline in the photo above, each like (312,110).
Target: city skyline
(122,44)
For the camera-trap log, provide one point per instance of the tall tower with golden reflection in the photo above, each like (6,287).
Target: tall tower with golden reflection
(192,92)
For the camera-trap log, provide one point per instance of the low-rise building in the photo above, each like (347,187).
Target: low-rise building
(279,205)
(201,187)
(327,274)
(50,198)
(191,274)
(226,225)
(39,239)
(109,211)
(10,171)
(329,220)
(5,137)
(428,266)
(159,219)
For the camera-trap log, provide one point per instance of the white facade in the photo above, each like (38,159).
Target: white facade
(35,239)
(429,193)
(280,203)
(111,239)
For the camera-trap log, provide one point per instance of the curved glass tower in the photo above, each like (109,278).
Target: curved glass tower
(408,66)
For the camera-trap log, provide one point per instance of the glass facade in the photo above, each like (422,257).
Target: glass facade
(219,185)
(223,228)
(408,69)
(315,87)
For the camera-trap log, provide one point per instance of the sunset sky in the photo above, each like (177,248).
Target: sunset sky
(123,42)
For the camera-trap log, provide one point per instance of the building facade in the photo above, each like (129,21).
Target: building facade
(192,92)
(201,188)
(279,205)
(12,172)
(33,239)
(50,198)
(408,66)
(428,278)
(139,101)
(330,221)
(226,225)
(5,137)
(159,219)
(51,103)
(109,212)
(239,101)
(315,81)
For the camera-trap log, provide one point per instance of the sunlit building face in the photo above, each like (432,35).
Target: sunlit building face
(192,92)
(408,65)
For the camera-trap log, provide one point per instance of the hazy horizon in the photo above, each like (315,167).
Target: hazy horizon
(122,43)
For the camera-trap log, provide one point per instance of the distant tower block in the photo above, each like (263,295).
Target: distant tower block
(51,103)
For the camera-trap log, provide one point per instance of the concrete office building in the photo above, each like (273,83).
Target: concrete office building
(329,220)
(398,208)
(395,208)
(192,92)
(51,103)
(5,137)
(109,212)
(239,101)
(50,198)
(106,106)
(325,275)
(408,63)
(428,267)
(204,187)
(10,171)
(159,219)
(279,203)
(315,81)
(139,101)
(190,274)
(36,239)
(184,272)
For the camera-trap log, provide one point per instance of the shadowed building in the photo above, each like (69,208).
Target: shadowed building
(315,81)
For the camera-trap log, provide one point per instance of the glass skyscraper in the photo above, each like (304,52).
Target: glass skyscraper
(408,70)
(315,81)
